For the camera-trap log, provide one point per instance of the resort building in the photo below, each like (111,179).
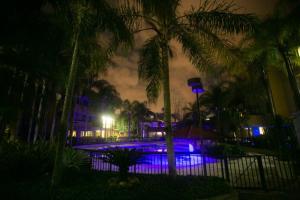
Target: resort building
(88,126)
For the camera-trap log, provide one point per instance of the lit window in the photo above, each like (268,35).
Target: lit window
(261,130)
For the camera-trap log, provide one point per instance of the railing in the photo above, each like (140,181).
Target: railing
(245,172)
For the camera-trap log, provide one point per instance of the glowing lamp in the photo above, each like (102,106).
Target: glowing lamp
(298,51)
(191,148)
(107,121)
(197,89)
(196,85)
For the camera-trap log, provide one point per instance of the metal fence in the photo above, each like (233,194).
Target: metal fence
(244,172)
(98,140)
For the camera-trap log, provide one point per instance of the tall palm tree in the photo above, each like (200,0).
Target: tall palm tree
(273,43)
(29,46)
(199,30)
(84,18)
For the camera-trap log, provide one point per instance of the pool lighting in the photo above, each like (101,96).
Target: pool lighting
(107,121)
(191,148)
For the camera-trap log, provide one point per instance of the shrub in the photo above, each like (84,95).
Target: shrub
(75,160)
(123,158)
(21,161)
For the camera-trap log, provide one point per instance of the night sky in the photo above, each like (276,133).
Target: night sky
(123,75)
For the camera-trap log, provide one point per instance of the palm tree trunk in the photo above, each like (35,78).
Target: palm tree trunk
(291,76)
(4,119)
(57,98)
(167,111)
(32,111)
(38,121)
(21,112)
(269,92)
(219,129)
(61,140)
(71,122)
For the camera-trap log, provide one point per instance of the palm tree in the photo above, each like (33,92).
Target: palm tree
(216,101)
(84,19)
(104,96)
(127,113)
(28,46)
(274,42)
(199,31)
(132,114)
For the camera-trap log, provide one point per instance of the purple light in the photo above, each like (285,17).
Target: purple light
(191,148)
(198,90)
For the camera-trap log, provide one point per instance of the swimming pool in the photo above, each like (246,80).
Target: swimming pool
(187,153)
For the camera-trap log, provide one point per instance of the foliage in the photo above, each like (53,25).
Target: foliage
(132,113)
(93,186)
(274,42)
(21,161)
(228,105)
(75,160)
(84,20)
(223,150)
(104,98)
(123,158)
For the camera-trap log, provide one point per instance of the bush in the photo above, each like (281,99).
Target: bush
(22,161)
(123,158)
(19,161)
(75,160)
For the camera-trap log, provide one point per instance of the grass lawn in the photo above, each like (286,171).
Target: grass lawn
(94,185)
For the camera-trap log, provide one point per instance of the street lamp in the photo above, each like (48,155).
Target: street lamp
(197,88)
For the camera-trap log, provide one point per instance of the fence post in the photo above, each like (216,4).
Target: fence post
(91,160)
(134,169)
(204,166)
(161,164)
(261,172)
(190,164)
(226,168)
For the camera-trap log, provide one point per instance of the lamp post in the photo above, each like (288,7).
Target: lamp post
(197,88)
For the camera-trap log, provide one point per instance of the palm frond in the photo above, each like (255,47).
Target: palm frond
(221,17)
(149,68)
(163,10)
(194,49)
(110,19)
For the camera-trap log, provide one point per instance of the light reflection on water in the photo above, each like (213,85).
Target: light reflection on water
(185,154)
(181,159)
